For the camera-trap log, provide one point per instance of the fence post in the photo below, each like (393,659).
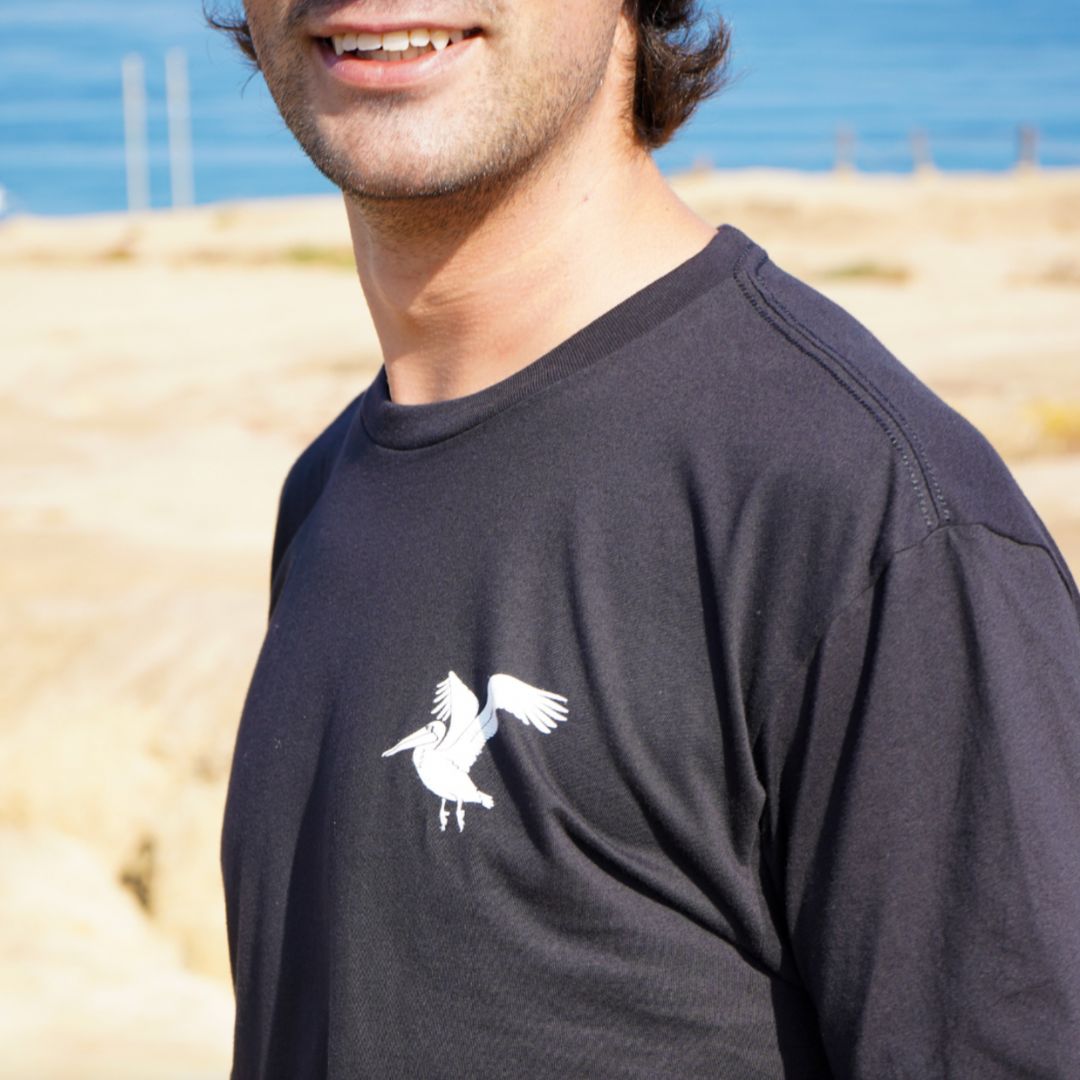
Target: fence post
(178,113)
(920,150)
(1027,139)
(845,148)
(136,157)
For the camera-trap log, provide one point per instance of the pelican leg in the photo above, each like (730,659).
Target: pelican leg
(443,815)
(460,813)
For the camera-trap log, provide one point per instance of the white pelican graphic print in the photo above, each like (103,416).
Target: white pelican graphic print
(443,756)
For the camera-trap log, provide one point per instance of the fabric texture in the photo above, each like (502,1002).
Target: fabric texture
(703,700)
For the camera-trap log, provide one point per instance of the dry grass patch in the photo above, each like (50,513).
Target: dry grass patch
(1062,273)
(336,258)
(313,256)
(1057,424)
(867,270)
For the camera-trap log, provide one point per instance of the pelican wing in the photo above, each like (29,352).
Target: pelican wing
(540,709)
(454,702)
(468,731)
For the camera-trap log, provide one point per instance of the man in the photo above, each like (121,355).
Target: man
(659,680)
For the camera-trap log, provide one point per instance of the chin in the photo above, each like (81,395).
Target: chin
(361,164)
(396,177)
(391,184)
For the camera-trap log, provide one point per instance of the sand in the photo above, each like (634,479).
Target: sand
(160,372)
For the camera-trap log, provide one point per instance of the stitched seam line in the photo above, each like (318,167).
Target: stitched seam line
(800,666)
(741,277)
(893,411)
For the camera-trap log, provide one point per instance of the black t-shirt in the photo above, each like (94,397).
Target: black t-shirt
(702,700)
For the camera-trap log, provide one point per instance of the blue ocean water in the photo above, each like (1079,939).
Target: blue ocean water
(967,72)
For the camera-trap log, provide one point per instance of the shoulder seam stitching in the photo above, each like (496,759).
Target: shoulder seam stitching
(894,411)
(853,382)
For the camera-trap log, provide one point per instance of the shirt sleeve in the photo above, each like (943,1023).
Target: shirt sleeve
(923,834)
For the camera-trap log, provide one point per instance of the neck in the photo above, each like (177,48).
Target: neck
(466,289)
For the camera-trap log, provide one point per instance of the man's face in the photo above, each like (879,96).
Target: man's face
(481,111)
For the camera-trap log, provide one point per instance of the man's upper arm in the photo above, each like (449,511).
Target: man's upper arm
(924,829)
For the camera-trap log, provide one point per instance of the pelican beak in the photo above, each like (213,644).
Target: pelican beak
(423,737)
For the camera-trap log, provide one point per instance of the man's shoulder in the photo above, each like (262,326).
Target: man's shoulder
(304,484)
(819,459)
(310,470)
(825,397)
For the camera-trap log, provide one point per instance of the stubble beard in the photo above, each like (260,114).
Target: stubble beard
(461,184)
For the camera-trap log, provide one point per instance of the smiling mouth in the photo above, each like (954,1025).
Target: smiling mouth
(395,44)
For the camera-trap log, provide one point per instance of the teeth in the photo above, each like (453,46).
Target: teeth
(397,44)
(395,41)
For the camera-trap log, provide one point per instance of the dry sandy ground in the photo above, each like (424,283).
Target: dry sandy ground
(158,374)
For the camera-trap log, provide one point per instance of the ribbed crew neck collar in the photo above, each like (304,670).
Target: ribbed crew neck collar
(409,427)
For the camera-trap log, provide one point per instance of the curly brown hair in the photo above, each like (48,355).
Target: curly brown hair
(674,73)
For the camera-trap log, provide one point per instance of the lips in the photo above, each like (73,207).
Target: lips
(396,44)
(391,59)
